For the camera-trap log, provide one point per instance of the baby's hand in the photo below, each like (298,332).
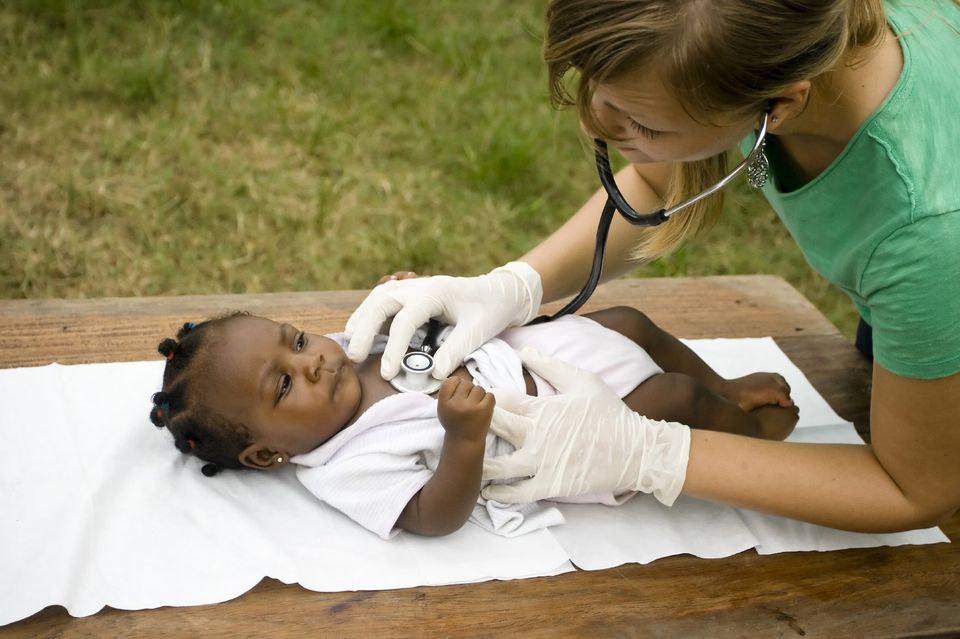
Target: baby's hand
(399,275)
(464,409)
(758,389)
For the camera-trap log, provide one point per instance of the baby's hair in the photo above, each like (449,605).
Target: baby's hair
(196,429)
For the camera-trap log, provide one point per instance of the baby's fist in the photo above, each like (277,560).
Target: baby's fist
(464,409)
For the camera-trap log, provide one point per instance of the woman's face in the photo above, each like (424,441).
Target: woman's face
(650,125)
(293,390)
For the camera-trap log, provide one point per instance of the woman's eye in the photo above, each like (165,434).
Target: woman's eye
(285,383)
(301,341)
(642,130)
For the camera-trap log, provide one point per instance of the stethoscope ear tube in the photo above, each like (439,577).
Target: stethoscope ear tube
(603,229)
(616,202)
(614,195)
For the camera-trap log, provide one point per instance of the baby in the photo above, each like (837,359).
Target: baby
(246,392)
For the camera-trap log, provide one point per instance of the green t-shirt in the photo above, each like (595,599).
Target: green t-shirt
(882,222)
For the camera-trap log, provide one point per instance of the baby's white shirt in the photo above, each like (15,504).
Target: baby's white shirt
(370,470)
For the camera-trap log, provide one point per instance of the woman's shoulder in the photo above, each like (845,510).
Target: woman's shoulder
(911,287)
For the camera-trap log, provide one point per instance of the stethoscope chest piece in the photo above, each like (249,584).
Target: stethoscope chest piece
(414,375)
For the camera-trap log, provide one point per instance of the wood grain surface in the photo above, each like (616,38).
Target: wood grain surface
(878,592)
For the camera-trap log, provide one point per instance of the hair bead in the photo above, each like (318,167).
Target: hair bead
(167,348)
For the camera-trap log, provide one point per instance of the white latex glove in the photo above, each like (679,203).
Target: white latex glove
(584,440)
(478,308)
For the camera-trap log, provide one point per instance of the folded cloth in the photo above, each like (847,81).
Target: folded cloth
(100,510)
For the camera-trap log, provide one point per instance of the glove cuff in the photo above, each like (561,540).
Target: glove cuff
(665,457)
(530,281)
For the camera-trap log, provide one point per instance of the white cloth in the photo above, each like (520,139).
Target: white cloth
(103,511)
(372,468)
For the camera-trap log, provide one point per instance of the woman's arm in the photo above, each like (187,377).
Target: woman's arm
(908,478)
(564,259)
(445,502)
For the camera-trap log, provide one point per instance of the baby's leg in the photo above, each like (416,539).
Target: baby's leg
(751,391)
(679,398)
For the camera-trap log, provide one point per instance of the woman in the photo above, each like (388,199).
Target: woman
(860,99)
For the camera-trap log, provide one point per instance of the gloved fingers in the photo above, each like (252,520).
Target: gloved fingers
(364,331)
(462,340)
(366,321)
(565,378)
(512,401)
(375,299)
(516,465)
(521,492)
(408,319)
(509,425)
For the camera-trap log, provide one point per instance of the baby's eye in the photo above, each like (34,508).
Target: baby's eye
(285,383)
(301,341)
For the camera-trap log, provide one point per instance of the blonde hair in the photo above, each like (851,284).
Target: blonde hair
(728,57)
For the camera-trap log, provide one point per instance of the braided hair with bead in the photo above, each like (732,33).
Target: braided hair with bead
(196,429)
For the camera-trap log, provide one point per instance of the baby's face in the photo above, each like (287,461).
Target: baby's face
(293,390)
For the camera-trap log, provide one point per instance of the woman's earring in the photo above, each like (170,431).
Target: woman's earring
(759,168)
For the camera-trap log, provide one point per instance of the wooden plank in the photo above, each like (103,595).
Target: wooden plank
(906,591)
(862,593)
(128,329)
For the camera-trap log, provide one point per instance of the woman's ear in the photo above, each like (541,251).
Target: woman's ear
(258,457)
(789,104)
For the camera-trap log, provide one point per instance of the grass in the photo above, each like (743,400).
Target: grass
(153,147)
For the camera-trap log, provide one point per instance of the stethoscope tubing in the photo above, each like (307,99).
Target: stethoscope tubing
(617,203)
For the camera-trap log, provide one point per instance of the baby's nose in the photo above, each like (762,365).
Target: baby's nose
(312,365)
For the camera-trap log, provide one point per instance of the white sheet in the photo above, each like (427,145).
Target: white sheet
(100,509)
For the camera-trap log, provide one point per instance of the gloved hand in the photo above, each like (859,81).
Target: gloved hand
(478,308)
(584,440)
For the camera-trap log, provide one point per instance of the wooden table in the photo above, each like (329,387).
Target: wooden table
(906,591)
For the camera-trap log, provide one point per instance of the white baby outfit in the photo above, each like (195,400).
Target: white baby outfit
(372,468)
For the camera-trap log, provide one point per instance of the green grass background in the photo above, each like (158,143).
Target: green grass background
(154,147)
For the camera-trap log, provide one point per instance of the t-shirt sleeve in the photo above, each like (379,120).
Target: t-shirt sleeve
(912,288)
(372,489)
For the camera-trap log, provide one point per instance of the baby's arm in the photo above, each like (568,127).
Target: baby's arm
(445,502)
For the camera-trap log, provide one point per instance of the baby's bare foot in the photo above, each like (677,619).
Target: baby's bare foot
(756,390)
(776,422)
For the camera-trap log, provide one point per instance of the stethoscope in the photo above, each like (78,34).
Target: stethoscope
(416,366)
(755,163)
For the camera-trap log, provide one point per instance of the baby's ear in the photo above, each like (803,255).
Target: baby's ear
(258,457)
